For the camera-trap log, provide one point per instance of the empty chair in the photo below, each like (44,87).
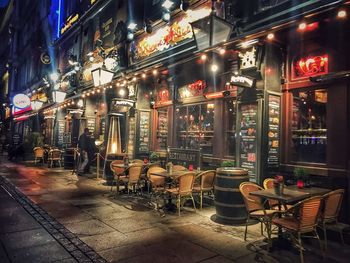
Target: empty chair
(184,189)
(302,221)
(255,208)
(132,179)
(155,181)
(55,155)
(136,161)
(329,214)
(38,154)
(117,172)
(206,184)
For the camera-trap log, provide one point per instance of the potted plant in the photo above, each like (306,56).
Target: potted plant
(154,157)
(301,176)
(227,163)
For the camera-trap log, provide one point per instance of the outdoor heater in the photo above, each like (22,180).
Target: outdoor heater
(117,134)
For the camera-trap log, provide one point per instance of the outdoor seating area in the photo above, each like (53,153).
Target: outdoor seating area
(52,156)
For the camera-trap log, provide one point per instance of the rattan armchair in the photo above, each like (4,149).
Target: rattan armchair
(330,211)
(38,154)
(177,167)
(136,161)
(206,184)
(303,220)
(55,155)
(255,208)
(184,189)
(117,172)
(155,181)
(132,179)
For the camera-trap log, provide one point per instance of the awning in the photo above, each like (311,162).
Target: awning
(331,77)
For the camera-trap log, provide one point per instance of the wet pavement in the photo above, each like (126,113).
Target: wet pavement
(127,229)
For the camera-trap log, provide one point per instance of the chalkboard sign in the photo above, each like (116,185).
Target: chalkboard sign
(184,157)
(61,126)
(131,140)
(91,125)
(273,130)
(248,138)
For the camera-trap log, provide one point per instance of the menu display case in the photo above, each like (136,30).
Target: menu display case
(131,139)
(162,130)
(144,120)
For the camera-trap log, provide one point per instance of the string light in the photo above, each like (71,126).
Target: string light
(341,14)
(143,75)
(155,72)
(222,51)
(302,26)
(203,57)
(270,36)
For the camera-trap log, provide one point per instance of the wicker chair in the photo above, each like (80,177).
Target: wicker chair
(117,172)
(55,155)
(184,189)
(255,208)
(206,184)
(132,179)
(155,181)
(136,161)
(274,204)
(179,168)
(329,214)
(38,154)
(304,220)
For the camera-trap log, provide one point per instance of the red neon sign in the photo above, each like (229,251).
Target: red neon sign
(310,66)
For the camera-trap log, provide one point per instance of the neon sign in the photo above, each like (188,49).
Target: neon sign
(310,66)
(193,89)
(71,20)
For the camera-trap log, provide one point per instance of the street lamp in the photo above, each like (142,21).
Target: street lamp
(36,104)
(58,96)
(211,30)
(101,76)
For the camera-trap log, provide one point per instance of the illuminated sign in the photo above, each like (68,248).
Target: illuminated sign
(248,58)
(71,20)
(169,36)
(310,66)
(243,81)
(193,89)
(21,101)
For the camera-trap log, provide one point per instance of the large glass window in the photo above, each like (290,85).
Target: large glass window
(309,129)
(230,127)
(195,127)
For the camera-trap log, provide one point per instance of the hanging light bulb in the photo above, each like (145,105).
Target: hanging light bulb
(270,36)
(143,75)
(155,72)
(166,17)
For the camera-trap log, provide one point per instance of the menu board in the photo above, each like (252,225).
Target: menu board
(61,126)
(103,126)
(273,130)
(91,125)
(162,131)
(131,141)
(248,139)
(144,131)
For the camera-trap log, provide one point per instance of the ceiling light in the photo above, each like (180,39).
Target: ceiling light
(166,17)
(155,72)
(203,57)
(270,36)
(302,26)
(341,14)
(222,51)
(130,36)
(214,67)
(167,4)
(143,75)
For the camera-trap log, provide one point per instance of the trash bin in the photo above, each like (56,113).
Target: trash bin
(229,204)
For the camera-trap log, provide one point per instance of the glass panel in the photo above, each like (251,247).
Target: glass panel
(309,130)
(181,126)
(193,127)
(162,129)
(207,127)
(230,127)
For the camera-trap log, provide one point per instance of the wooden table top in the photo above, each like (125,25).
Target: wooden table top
(291,194)
(174,174)
(121,165)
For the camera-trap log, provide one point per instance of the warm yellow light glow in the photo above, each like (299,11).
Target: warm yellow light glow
(222,51)
(155,72)
(341,14)
(143,75)
(204,57)
(270,36)
(134,79)
(302,26)
(214,68)
(114,147)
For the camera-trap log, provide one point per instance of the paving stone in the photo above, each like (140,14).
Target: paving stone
(106,241)
(217,259)
(90,227)
(24,239)
(130,225)
(124,252)
(42,253)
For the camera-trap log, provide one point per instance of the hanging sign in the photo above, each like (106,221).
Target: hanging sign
(310,66)
(243,81)
(248,58)
(21,101)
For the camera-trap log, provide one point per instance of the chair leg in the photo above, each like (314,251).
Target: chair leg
(268,228)
(300,248)
(194,204)
(325,236)
(246,229)
(261,228)
(319,241)
(178,204)
(201,200)
(341,234)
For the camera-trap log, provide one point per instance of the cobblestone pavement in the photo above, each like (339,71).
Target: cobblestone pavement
(82,212)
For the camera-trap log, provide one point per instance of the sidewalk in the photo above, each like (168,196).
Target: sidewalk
(126,229)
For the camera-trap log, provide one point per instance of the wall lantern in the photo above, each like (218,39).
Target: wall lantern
(211,30)
(58,96)
(101,76)
(37,104)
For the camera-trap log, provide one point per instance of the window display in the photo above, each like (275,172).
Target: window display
(309,129)
(195,127)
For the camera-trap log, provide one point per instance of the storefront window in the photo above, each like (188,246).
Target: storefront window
(309,130)
(195,127)
(162,129)
(230,127)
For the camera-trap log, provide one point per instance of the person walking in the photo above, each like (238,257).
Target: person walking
(83,144)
